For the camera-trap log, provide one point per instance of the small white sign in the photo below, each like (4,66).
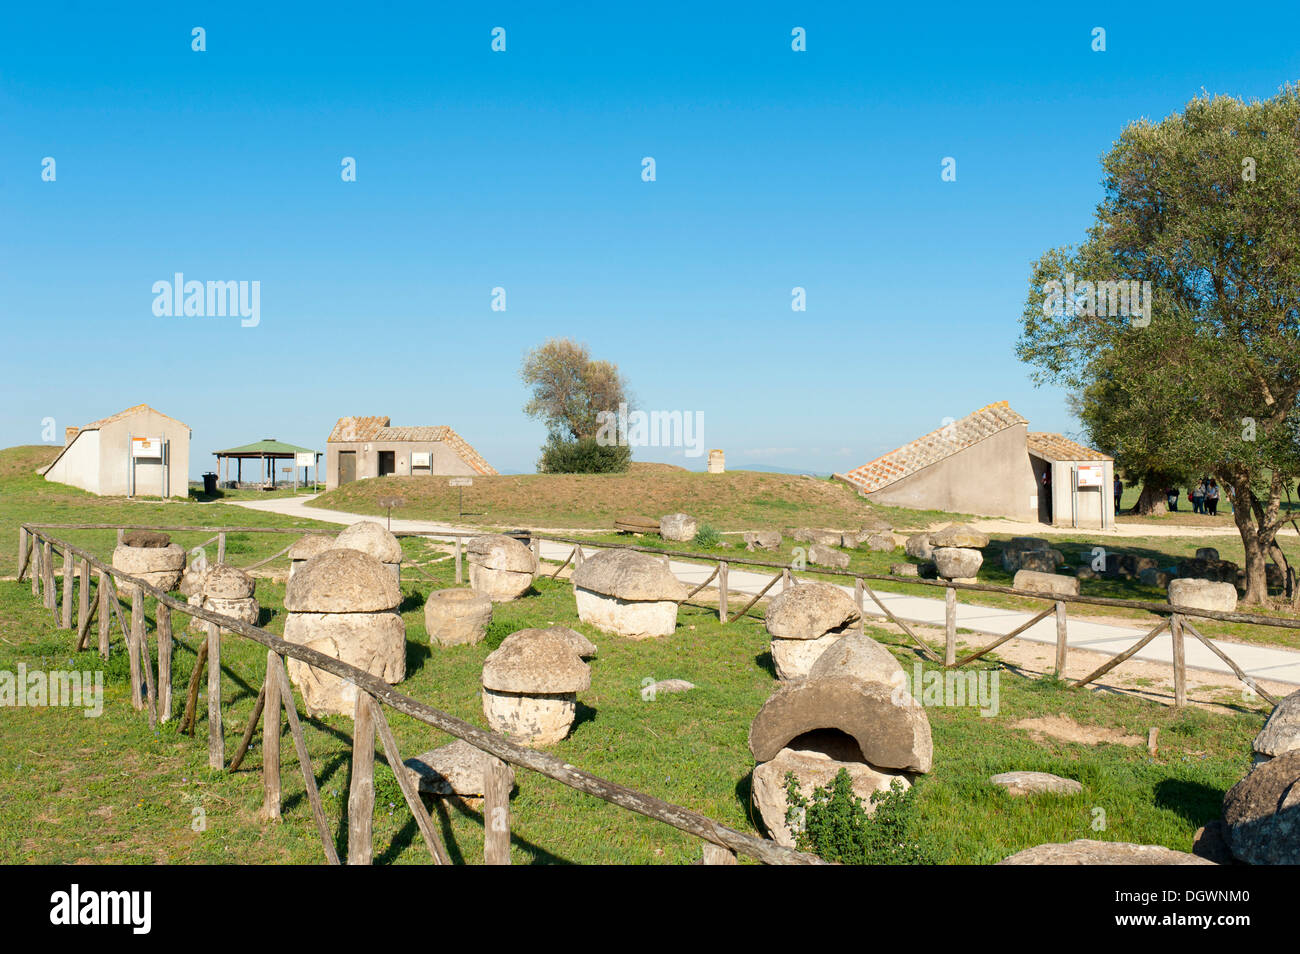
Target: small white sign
(149,448)
(461,482)
(304,460)
(421,459)
(1091,475)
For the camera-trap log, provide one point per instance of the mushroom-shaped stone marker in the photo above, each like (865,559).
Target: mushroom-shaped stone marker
(151,556)
(500,567)
(583,646)
(530,686)
(306,548)
(343,603)
(369,537)
(227,590)
(957,552)
(456,617)
(804,621)
(627,592)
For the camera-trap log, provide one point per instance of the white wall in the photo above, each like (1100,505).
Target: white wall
(79,464)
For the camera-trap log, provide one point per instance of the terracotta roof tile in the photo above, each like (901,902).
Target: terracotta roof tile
(933,447)
(1057,447)
(350,429)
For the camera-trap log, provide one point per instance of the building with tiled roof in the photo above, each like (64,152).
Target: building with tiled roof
(136,452)
(989,464)
(360,447)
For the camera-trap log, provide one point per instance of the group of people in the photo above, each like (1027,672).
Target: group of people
(1203,496)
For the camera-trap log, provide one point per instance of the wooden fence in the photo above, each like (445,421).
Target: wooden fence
(37,549)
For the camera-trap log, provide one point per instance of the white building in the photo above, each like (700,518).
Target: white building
(136,452)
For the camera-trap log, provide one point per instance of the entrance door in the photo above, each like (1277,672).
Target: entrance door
(387,463)
(347,466)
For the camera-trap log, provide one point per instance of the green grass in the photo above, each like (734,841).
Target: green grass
(109,789)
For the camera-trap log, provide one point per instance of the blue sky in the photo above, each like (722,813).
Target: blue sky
(522,169)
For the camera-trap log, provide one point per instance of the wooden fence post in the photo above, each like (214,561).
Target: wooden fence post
(857,597)
(22,552)
(722,591)
(460,578)
(83,602)
(163,615)
(361,796)
(578,557)
(69,577)
(216,735)
(105,620)
(221,547)
(36,567)
(121,535)
(271,739)
(950,625)
(717,855)
(786,580)
(47,573)
(135,645)
(1062,647)
(1180,660)
(496,812)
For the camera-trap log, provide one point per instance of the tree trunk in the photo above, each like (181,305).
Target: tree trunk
(1153,502)
(1255,544)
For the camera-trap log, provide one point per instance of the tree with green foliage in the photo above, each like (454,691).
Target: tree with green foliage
(570,391)
(1177,318)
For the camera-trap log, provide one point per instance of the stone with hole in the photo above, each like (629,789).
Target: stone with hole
(891,730)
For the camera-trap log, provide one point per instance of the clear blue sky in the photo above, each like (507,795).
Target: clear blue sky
(522,169)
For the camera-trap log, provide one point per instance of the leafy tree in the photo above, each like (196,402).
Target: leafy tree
(1203,377)
(570,390)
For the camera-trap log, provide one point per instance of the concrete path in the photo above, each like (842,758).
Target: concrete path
(1261,662)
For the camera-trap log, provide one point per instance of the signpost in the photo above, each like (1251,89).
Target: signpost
(1091,475)
(461,483)
(307,459)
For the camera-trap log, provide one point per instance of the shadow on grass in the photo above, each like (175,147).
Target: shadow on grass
(1197,802)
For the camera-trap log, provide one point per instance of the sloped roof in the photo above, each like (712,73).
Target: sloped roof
(268,446)
(1056,447)
(933,447)
(96,425)
(353,429)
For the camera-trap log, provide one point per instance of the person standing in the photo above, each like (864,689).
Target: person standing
(1046,491)
(1119,492)
(1212,498)
(1171,498)
(1197,496)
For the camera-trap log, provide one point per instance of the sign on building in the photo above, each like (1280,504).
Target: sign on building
(421,459)
(147,448)
(1091,475)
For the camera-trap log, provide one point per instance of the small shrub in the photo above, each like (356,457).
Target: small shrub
(835,826)
(708,537)
(583,456)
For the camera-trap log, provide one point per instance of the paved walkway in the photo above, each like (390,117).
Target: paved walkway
(1261,662)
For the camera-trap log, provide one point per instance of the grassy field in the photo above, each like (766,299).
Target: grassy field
(736,500)
(109,789)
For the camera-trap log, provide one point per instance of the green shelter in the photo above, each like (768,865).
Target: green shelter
(268,451)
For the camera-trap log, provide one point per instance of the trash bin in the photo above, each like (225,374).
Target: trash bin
(209,484)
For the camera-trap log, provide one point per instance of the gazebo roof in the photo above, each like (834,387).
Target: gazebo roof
(268,447)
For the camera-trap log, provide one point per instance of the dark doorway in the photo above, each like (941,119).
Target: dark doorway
(347,466)
(1044,492)
(387,463)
